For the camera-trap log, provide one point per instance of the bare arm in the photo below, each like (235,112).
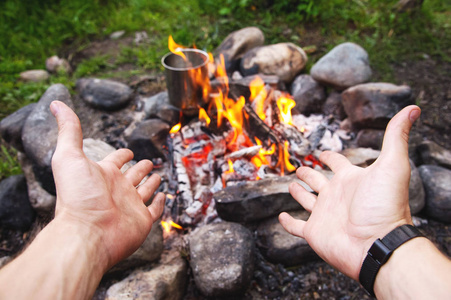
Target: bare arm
(359,205)
(100,218)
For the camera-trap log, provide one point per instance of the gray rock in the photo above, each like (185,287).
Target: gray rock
(158,106)
(11,126)
(41,200)
(103,93)
(344,66)
(15,209)
(334,107)
(222,259)
(237,43)
(40,133)
(434,154)
(54,64)
(285,60)
(436,181)
(34,75)
(308,94)
(166,281)
(416,190)
(149,251)
(255,200)
(148,138)
(362,157)
(280,247)
(370,138)
(117,34)
(372,105)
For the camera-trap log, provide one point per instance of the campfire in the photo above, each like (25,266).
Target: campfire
(228,138)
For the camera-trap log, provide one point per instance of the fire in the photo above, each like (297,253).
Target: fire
(285,105)
(258,94)
(175,48)
(204,116)
(230,170)
(175,128)
(168,225)
(232,111)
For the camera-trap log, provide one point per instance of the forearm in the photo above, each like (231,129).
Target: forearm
(63,262)
(416,270)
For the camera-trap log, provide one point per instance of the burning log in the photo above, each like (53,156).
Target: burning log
(258,128)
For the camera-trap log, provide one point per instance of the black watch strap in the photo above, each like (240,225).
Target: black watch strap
(381,251)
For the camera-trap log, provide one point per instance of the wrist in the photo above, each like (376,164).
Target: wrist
(381,251)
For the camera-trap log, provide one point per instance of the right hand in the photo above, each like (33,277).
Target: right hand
(358,205)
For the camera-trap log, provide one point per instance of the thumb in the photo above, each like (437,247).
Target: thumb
(396,138)
(70,136)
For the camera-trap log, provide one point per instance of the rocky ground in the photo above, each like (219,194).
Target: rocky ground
(431,83)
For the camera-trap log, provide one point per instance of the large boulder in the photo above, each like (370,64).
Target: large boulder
(334,107)
(370,138)
(372,105)
(40,133)
(103,93)
(344,66)
(280,247)
(237,43)
(436,181)
(308,94)
(285,60)
(11,126)
(15,209)
(222,259)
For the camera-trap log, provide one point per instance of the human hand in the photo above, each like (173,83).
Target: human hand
(358,205)
(97,196)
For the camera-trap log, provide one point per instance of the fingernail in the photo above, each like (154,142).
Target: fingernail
(54,108)
(414,115)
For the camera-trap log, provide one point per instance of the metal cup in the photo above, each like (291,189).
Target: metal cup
(185,91)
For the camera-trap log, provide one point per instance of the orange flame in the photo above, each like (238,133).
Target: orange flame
(230,170)
(257,88)
(175,128)
(204,116)
(175,48)
(286,156)
(168,225)
(285,105)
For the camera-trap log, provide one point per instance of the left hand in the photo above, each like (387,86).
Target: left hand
(97,196)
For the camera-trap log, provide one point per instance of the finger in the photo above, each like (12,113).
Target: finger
(313,178)
(334,161)
(70,136)
(302,196)
(157,206)
(148,188)
(119,157)
(396,138)
(136,173)
(291,225)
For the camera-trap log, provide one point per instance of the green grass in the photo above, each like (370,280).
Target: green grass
(32,30)
(8,162)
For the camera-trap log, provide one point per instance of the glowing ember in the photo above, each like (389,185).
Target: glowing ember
(230,170)
(176,128)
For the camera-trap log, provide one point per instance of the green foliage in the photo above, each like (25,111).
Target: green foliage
(8,162)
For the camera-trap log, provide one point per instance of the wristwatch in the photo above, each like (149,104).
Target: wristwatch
(381,251)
